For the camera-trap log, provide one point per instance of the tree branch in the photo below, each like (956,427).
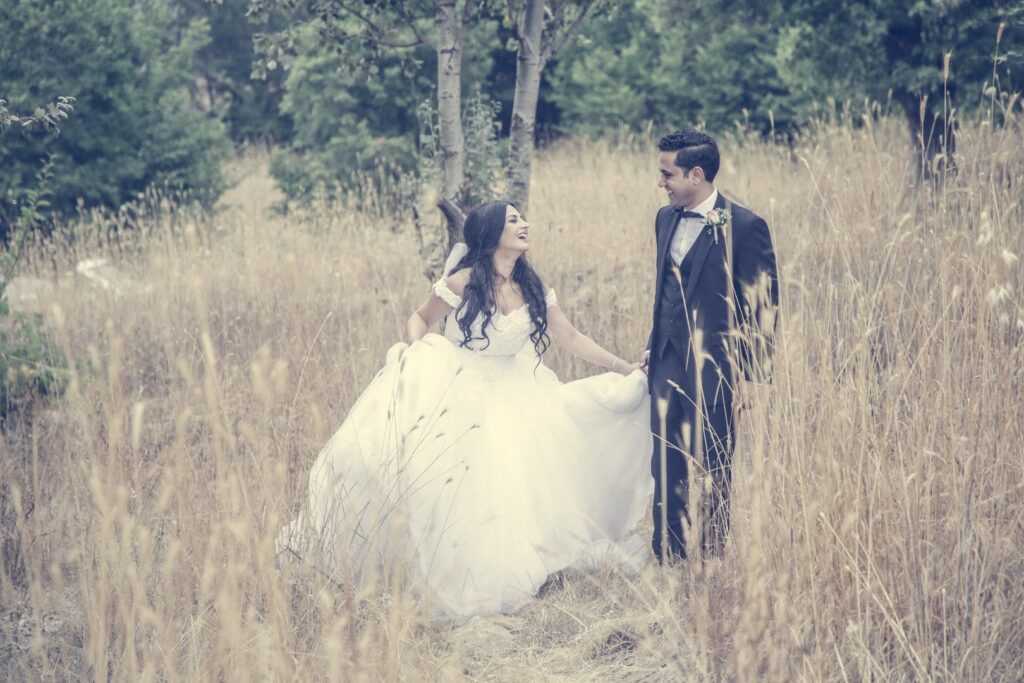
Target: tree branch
(416,32)
(452,213)
(47,117)
(558,42)
(551,13)
(376,33)
(362,17)
(514,16)
(467,10)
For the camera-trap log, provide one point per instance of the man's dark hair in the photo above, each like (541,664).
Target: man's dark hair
(693,148)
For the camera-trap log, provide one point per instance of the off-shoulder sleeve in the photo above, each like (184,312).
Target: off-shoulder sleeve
(551,299)
(447,295)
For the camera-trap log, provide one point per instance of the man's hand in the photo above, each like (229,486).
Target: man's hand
(645,361)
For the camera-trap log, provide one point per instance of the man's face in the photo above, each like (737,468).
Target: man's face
(680,185)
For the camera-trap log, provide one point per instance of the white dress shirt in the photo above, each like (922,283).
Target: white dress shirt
(689,229)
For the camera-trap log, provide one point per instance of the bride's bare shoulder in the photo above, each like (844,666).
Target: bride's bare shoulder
(458,280)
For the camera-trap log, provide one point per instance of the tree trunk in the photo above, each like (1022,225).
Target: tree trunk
(448,21)
(932,132)
(524,107)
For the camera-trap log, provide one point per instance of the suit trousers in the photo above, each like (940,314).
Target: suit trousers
(676,450)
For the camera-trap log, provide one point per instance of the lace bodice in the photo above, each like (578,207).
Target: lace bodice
(508,334)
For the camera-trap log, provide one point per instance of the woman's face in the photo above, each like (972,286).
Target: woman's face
(516,232)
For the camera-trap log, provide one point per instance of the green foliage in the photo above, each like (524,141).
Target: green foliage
(769,64)
(31,364)
(644,61)
(902,44)
(250,106)
(360,35)
(46,118)
(952,55)
(347,123)
(746,73)
(354,106)
(130,65)
(623,71)
(339,84)
(485,152)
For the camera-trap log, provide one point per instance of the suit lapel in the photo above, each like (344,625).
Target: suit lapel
(702,249)
(666,228)
(700,255)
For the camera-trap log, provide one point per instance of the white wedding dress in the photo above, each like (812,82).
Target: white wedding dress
(476,473)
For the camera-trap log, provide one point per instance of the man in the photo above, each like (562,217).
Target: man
(714,317)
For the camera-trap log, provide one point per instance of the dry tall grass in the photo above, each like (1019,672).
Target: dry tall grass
(879,488)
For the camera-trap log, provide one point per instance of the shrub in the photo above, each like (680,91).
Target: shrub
(129,65)
(31,363)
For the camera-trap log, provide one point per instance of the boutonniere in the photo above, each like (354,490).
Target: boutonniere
(716,220)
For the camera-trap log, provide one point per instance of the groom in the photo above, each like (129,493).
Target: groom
(714,317)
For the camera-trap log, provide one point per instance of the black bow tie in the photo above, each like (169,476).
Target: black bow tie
(683,213)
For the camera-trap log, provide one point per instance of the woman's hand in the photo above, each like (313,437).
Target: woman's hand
(624,367)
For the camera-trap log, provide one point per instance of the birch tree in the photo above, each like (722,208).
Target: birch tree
(451,25)
(541,30)
(400,27)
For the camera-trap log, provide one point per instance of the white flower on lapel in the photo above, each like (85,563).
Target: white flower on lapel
(716,220)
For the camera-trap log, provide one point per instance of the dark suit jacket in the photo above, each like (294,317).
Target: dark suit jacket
(732,297)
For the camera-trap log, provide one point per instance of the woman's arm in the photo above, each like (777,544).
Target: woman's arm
(425,317)
(434,308)
(579,344)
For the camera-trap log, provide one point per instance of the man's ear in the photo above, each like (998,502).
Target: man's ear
(697,174)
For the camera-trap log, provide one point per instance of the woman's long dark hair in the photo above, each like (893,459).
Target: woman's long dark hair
(482,233)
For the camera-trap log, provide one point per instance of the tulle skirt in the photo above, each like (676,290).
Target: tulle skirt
(477,476)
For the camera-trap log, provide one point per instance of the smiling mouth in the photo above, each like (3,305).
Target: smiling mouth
(522,236)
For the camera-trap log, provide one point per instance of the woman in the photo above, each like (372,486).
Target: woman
(466,464)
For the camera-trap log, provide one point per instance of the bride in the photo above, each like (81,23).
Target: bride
(466,465)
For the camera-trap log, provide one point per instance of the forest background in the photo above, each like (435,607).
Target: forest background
(165,90)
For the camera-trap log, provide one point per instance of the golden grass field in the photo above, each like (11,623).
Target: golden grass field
(879,484)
